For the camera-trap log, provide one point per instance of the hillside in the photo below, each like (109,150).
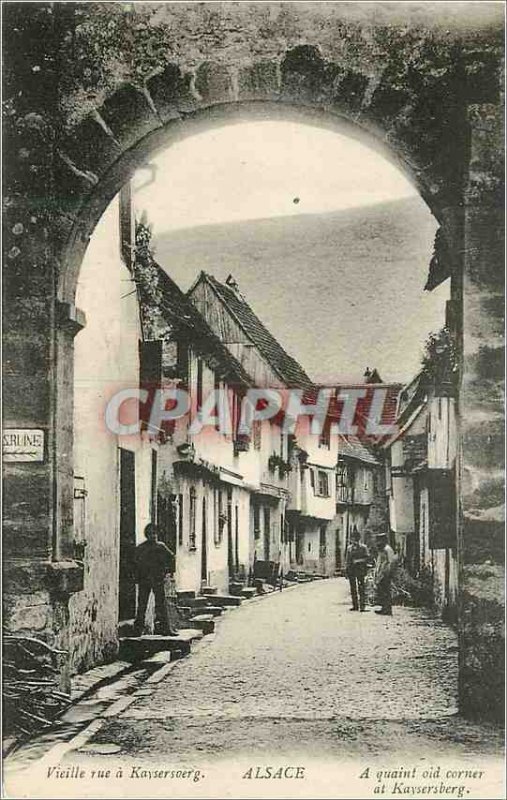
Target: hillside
(341,291)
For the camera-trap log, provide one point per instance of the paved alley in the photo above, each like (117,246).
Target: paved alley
(301,653)
(297,675)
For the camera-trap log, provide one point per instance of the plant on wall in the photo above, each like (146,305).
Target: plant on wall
(146,278)
(440,358)
(277,462)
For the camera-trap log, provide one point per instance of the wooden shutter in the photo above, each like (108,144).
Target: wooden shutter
(150,372)
(442,509)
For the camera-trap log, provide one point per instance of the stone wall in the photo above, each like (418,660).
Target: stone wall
(483,601)
(92,89)
(106,359)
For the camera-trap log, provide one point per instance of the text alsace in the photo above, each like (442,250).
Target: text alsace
(274,772)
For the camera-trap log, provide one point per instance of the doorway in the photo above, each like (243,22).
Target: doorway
(204,547)
(337,553)
(300,538)
(267,533)
(127,587)
(230,553)
(236,539)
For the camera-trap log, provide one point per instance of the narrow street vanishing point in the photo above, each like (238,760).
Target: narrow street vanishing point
(290,678)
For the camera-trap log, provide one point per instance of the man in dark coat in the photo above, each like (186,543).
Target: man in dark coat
(153,561)
(355,566)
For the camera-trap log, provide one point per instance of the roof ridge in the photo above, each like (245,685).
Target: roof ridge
(226,293)
(196,317)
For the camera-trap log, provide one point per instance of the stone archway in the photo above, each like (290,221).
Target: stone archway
(93,89)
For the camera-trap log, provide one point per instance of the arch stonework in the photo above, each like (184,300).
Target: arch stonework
(94,89)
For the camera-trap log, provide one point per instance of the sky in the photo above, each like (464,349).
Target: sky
(329,242)
(264,169)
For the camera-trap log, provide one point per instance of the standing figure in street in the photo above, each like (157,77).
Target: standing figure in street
(355,568)
(386,562)
(153,561)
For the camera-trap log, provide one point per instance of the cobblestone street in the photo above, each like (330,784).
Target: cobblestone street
(302,654)
(295,675)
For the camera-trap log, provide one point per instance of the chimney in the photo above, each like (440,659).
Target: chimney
(232,283)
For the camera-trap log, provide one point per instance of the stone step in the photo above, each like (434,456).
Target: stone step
(185,611)
(126,628)
(204,622)
(248,591)
(235,588)
(209,590)
(94,679)
(185,594)
(154,662)
(158,660)
(189,634)
(227,600)
(194,602)
(141,647)
(215,611)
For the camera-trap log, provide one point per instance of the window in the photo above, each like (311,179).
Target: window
(218,387)
(216,523)
(322,484)
(342,482)
(236,413)
(180,519)
(200,368)
(241,440)
(325,436)
(312,479)
(191,532)
(150,376)
(219,530)
(257,434)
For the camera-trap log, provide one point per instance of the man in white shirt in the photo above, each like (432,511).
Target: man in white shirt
(386,562)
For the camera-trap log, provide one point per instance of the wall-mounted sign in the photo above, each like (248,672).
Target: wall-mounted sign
(23,444)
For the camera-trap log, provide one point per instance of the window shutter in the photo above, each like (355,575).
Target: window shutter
(442,509)
(150,372)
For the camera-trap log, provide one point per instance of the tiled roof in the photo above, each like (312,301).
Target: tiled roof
(351,447)
(186,321)
(286,367)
